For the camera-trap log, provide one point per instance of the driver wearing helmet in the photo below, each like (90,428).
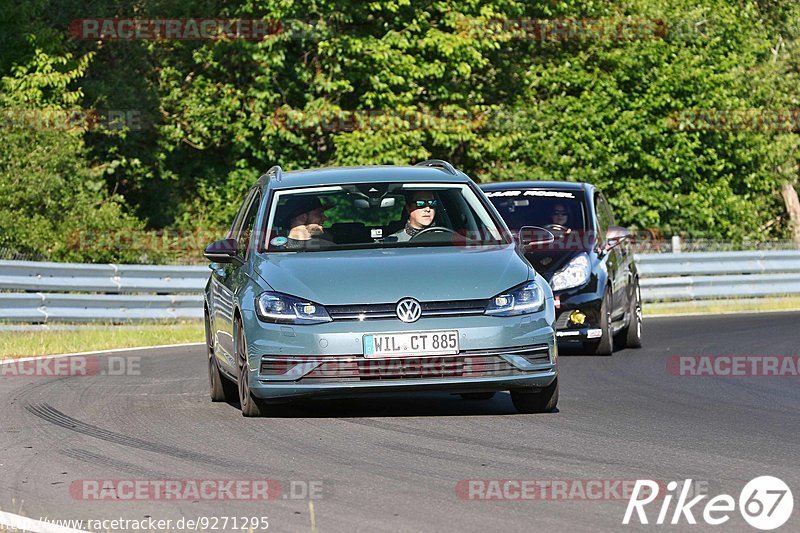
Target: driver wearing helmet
(421,208)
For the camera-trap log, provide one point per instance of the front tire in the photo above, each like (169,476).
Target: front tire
(251,406)
(544,401)
(220,388)
(605,346)
(632,334)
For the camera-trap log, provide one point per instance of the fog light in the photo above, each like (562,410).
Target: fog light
(577,317)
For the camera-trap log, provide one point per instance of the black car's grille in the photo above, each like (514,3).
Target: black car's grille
(561,323)
(388,311)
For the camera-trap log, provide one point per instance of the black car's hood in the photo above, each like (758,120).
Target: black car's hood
(549,262)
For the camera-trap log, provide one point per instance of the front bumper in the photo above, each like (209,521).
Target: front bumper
(293,391)
(587,301)
(327,360)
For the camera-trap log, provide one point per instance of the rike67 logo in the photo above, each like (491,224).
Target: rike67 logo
(765,503)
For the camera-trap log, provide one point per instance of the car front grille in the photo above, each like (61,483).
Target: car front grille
(467,364)
(388,311)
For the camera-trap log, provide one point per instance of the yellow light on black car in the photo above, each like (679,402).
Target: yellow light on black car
(577,317)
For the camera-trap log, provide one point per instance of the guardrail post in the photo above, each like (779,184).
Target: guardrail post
(676,244)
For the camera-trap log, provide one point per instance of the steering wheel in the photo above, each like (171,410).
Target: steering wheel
(432,229)
(559,228)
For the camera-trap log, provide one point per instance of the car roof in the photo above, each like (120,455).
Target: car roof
(364,174)
(553,185)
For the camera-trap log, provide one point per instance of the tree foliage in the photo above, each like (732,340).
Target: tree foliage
(52,198)
(394,82)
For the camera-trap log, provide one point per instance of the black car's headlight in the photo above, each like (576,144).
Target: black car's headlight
(576,273)
(285,309)
(521,300)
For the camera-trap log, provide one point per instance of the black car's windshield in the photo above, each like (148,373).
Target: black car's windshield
(539,207)
(379,215)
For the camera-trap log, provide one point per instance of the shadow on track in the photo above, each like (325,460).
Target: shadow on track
(393,405)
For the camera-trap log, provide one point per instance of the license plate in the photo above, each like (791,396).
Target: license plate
(410,344)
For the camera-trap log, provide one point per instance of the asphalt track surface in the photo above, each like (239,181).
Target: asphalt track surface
(393,464)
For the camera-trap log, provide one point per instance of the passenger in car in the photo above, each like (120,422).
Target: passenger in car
(421,208)
(306,216)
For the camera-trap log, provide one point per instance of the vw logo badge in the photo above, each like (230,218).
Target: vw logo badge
(409,310)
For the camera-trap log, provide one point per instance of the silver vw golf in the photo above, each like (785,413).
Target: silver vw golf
(342,282)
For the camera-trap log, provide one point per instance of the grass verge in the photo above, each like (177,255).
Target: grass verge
(90,338)
(711,307)
(86,338)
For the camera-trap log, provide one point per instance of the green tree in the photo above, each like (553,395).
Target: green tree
(53,202)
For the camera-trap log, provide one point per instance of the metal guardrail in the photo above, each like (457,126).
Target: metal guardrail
(711,275)
(33,292)
(115,279)
(110,293)
(45,307)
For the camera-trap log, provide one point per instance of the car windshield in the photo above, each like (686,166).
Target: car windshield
(538,207)
(379,215)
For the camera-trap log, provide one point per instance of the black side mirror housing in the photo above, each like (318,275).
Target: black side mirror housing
(615,236)
(224,251)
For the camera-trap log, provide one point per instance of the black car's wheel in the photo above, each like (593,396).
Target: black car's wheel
(544,401)
(477,395)
(220,388)
(251,406)
(605,346)
(631,335)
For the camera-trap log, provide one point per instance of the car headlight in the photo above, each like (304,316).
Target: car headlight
(285,309)
(576,273)
(521,300)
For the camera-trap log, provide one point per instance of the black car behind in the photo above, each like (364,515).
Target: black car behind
(589,265)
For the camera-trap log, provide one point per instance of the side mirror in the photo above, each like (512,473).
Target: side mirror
(532,236)
(615,236)
(224,251)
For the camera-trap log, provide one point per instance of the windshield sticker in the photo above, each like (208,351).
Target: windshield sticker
(549,194)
